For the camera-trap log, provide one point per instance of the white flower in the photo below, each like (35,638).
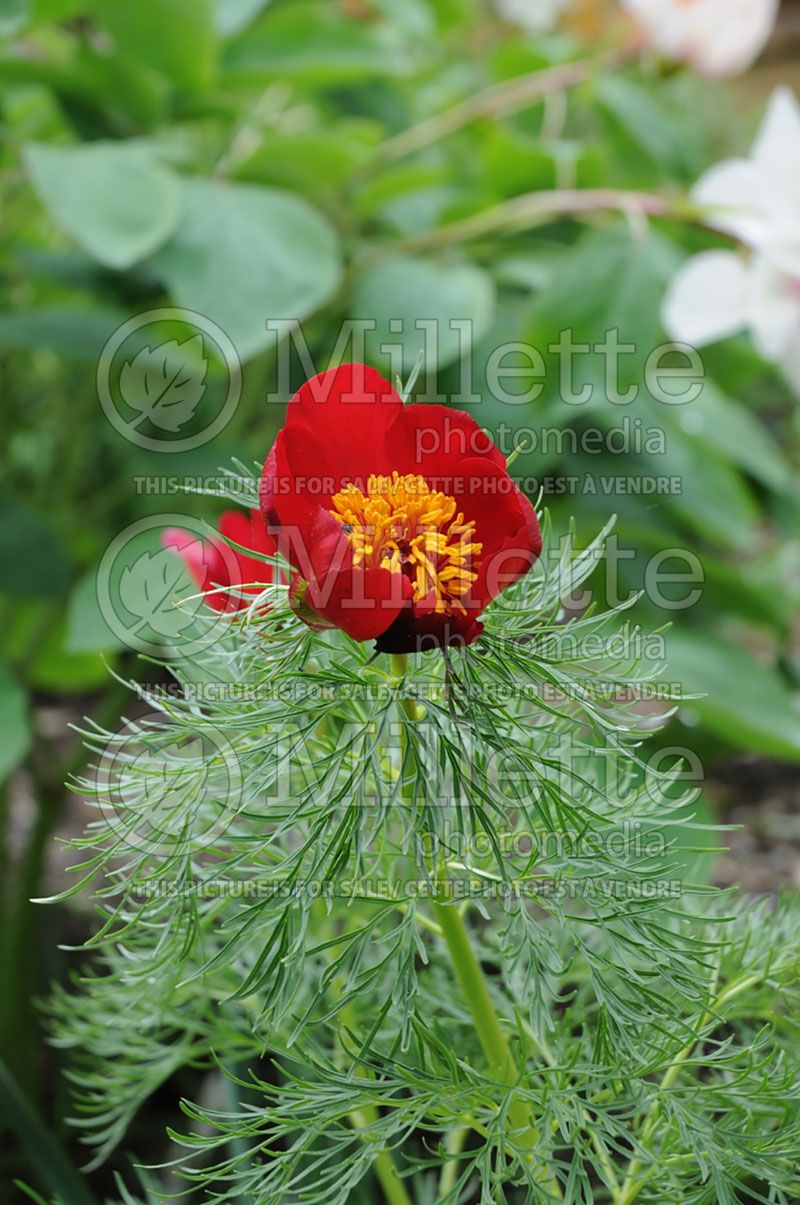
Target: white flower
(757,200)
(535,16)
(716,37)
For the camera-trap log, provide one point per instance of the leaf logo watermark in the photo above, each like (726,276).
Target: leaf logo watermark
(150,589)
(165,384)
(145,592)
(169,380)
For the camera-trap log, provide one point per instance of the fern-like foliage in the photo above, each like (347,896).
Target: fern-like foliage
(272,849)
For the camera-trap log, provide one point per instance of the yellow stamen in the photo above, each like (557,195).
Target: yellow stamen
(402,525)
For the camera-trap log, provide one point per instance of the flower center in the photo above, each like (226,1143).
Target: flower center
(400,524)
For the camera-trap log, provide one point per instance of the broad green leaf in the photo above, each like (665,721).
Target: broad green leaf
(728,588)
(14,723)
(706,493)
(176,37)
(378,194)
(32,561)
(232,16)
(245,254)
(514,162)
(87,630)
(75,334)
(745,703)
(134,96)
(35,639)
(525,270)
(114,199)
(318,43)
(57,10)
(610,280)
(71,267)
(647,120)
(311,162)
(724,425)
(408,291)
(14,16)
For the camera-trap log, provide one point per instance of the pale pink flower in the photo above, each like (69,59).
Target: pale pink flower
(757,200)
(716,37)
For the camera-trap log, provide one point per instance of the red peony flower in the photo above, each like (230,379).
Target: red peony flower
(401,521)
(214,563)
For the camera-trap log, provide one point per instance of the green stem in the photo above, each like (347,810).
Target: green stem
(399,662)
(529,210)
(473,984)
(455,1145)
(637,1175)
(501,100)
(488,1026)
(492,1036)
(394,1189)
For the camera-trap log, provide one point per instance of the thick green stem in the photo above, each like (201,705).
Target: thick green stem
(470,976)
(454,1145)
(393,1188)
(488,1026)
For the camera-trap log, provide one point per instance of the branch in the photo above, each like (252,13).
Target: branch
(536,208)
(501,100)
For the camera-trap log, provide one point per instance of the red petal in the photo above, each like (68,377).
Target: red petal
(337,430)
(435,441)
(362,602)
(505,524)
(209,564)
(248,530)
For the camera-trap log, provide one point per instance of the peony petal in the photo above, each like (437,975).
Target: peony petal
(736,194)
(362,602)
(724,37)
(774,309)
(505,524)
(776,150)
(249,531)
(415,632)
(338,429)
(435,440)
(210,563)
(707,299)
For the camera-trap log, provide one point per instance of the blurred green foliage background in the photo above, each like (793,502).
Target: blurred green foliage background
(249,160)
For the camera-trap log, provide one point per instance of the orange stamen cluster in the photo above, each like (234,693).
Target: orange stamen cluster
(400,524)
